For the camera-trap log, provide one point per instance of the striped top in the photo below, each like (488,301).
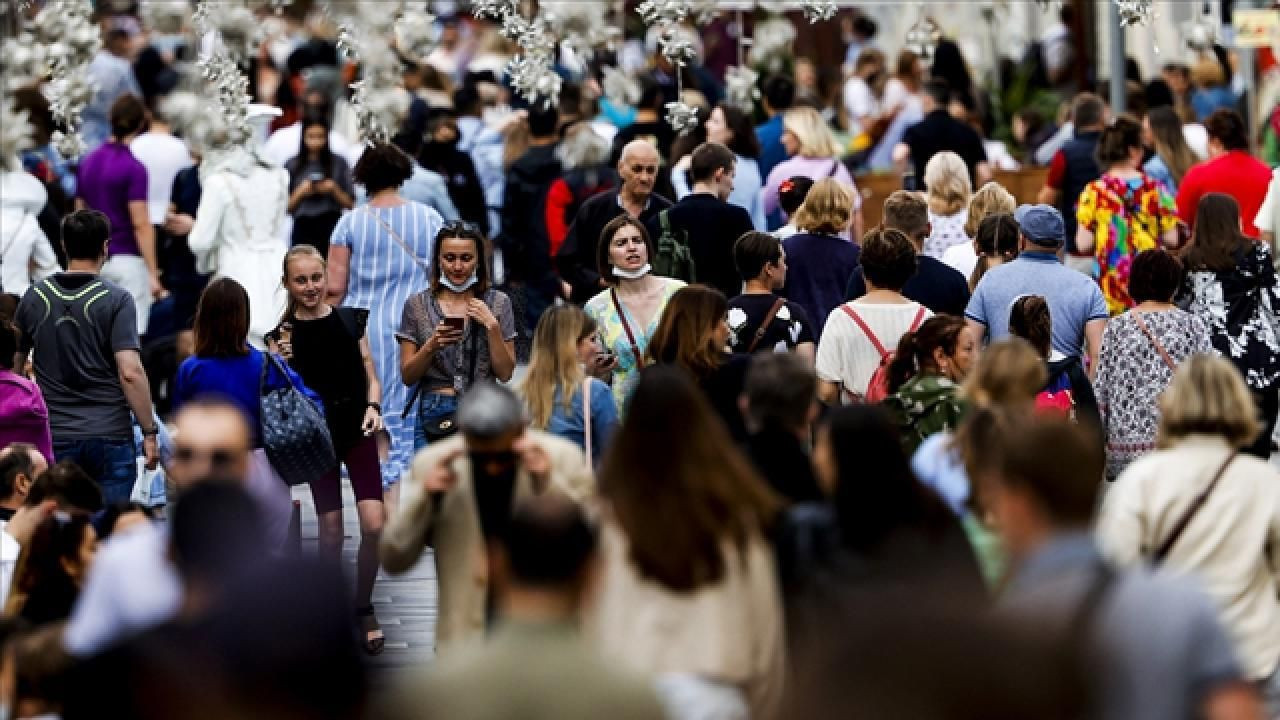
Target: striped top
(383,275)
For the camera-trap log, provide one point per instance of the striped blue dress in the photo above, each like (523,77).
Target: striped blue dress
(381,278)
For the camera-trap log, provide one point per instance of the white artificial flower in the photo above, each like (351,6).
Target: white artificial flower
(737,319)
(781,347)
(784,314)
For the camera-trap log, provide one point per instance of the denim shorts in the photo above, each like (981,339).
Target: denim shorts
(431,406)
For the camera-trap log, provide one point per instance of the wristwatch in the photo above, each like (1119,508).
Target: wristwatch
(375,406)
(153,432)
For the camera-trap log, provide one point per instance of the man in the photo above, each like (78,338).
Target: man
(760,320)
(111,75)
(1231,170)
(779,402)
(85,340)
(1073,167)
(1076,306)
(576,259)
(526,247)
(779,93)
(937,132)
(132,584)
(163,156)
(112,181)
(1151,644)
(20,465)
(534,663)
(935,285)
(709,223)
(459,495)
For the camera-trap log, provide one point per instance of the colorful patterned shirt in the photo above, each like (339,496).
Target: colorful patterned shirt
(1126,217)
(609,326)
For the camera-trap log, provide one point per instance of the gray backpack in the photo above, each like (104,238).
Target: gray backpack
(294,433)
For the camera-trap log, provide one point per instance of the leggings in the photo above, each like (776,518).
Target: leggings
(365,473)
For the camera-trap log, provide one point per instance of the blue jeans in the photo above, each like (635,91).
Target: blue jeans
(431,406)
(112,463)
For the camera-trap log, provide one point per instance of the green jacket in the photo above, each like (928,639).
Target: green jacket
(924,405)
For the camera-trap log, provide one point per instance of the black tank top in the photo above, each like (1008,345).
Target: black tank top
(327,358)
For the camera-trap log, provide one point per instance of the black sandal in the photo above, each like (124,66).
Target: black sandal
(373,644)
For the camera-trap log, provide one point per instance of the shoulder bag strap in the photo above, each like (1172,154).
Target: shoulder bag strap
(586,416)
(1164,354)
(626,326)
(835,167)
(1158,557)
(663,221)
(865,329)
(399,241)
(764,326)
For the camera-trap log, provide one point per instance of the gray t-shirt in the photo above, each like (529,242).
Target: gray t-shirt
(1073,297)
(76,322)
(451,367)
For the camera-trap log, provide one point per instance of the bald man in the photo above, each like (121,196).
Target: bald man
(638,168)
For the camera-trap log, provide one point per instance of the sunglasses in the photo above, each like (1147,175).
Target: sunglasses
(460,228)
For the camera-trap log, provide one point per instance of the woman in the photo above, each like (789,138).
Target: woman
(379,257)
(1141,349)
(859,337)
(862,95)
(23,415)
(947,178)
(694,334)
(1158,512)
(225,364)
(1231,285)
(814,153)
(996,244)
(820,260)
(565,350)
(1123,213)
(1212,89)
(52,568)
(991,199)
(687,589)
(1067,389)
(1000,393)
(732,128)
(441,155)
(457,332)
(1162,132)
(328,348)
(320,187)
(924,376)
(627,314)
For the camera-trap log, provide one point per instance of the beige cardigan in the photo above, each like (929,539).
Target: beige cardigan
(731,632)
(1232,545)
(455,533)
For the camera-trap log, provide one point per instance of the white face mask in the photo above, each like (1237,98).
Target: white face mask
(445,281)
(633,274)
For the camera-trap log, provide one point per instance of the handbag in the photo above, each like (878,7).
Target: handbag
(1158,557)
(294,433)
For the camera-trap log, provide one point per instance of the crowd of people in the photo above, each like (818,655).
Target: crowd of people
(681,432)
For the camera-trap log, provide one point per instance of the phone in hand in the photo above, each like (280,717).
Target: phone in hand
(316,177)
(454,322)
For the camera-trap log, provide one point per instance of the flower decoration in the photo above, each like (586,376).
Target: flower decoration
(415,31)
(817,10)
(1135,12)
(737,323)
(69,39)
(1201,32)
(15,134)
(620,87)
(740,87)
(682,117)
(923,37)
(533,79)
(231,89)
(532,72)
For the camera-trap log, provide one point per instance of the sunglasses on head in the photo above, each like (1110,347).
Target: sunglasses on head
(460,228)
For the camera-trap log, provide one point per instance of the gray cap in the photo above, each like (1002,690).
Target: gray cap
(1041,224)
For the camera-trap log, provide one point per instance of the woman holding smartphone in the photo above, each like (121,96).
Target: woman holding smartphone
(328,348)
(457,332)
(319,187)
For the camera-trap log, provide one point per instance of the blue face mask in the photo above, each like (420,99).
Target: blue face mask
(445,281)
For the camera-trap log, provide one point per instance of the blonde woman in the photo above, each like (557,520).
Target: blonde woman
(814,153)
(819,258)
(564,348)
(947,178)
(1232,501)
(991,199)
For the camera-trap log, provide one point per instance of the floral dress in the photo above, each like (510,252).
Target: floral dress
(1126,217)
(925,405)
(1132,373)
(614,338)
(1241,307)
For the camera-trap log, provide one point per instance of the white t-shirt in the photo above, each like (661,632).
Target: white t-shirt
(961,257)
(163,155)
(847,356)
(1198,138)
(9,550)
(859,103)
(1268,219)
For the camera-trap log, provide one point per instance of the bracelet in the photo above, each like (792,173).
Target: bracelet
(153,432)
(375,405)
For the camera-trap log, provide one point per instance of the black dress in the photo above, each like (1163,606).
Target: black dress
(326,356)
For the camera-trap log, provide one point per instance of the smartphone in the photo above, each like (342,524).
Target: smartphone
(605,354)
(316,177)
(454,322)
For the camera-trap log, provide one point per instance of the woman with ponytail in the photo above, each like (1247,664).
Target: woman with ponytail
(924,378)
(328,349)
(996,243)
(1068,389)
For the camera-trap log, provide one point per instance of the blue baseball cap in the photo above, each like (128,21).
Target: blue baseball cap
(1042,224)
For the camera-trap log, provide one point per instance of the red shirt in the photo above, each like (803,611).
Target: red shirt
(1237,174)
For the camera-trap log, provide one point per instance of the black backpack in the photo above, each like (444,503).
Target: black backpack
(673,258)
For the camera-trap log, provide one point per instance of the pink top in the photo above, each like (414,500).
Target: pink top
(815,168)
(23,415)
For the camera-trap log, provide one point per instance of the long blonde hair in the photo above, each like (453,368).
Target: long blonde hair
(991,199)
(297,251)
(553,363)
(947,178)
(816,138)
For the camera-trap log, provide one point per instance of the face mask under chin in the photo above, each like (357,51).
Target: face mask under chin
(632,274)
(455,287)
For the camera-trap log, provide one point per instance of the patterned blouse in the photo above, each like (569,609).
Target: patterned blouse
(451,367)
(1132,374)
(1126,217)
(947,231)
(600,308)
(923,406)
(1242,309)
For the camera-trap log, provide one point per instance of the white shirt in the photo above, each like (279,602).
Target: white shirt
(962,257)
(1268,219)
(163,155)
(847,356)
(860,104)
(1225,546)
(948,230)
(1198,138)
(9,550)
(22,242)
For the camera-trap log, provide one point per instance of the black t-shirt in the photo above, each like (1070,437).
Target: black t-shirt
(712,226)
(327,358)
(938,132)
(789,328)
(936,285)
(723,387)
